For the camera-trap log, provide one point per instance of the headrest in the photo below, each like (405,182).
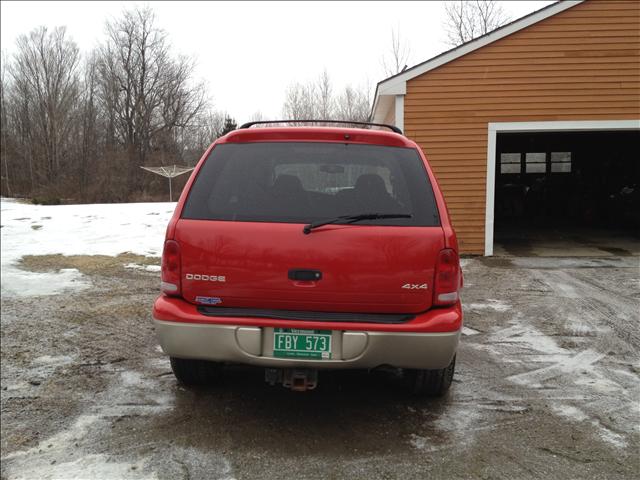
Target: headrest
(287,183)
(370,182)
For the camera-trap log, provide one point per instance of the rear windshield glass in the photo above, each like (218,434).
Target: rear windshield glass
(306,182)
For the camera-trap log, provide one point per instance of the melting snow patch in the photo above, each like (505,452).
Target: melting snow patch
(469,331)
(75,230)
(582,361)
(17,386)
(608,436)
(526,337)
(194,463)
(460,421)
(60,441)
(133,394)
(56,361)
(418,442)
(41,368)
(61,456)
(159,363)
(21,283)
(464,262)
(578,329)
(496,305)
(567,374)
(598,383)
(147,268)
(85,467)
(570,412)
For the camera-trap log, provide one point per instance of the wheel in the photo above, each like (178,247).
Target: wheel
(195,372)
(431,383)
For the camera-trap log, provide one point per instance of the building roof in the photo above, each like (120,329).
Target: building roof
(397,84)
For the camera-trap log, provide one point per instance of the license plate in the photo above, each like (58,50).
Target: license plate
(296,343)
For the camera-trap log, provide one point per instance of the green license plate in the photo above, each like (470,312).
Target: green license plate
(296,343)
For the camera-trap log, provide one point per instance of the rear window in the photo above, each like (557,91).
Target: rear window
(305,182)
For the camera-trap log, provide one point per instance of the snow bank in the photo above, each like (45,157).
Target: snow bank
(97,229)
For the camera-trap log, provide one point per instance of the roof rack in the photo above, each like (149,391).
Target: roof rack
(263,122)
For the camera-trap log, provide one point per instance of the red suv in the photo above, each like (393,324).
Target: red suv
(300,249)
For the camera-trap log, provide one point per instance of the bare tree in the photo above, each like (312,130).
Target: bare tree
(4,126)
(396,59)
(353,104)
(91,120)
(325,103)
(45,72)
(299,102)
(149,93)
(258,116)
(316,100)
(469,19)
(78,128)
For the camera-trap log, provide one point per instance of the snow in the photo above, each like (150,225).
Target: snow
(492,304)
(76,451)
(49,360)
(469,331)
(147,268)
(97,229)
(418,442)
(87,466)
(63,455)
(567,374)
(38,461)
(570,412)
(461,421)
(16,282)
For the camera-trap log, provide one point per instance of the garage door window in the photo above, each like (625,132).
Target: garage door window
(509,163)
(536,162)
(561,162)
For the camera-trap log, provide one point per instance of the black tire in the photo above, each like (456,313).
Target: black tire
(431,383)
(191,372)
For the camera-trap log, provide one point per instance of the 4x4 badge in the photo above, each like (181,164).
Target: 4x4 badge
(415,286)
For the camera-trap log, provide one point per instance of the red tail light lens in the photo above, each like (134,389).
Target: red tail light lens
(171,268)
(447,281)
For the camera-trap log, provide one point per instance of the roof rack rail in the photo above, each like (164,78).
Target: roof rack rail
(346,122)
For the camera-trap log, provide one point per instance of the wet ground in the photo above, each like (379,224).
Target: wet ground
(547,386)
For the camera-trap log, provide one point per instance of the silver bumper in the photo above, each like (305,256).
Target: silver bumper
(350,349)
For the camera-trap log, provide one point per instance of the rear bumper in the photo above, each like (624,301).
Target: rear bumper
(250,341)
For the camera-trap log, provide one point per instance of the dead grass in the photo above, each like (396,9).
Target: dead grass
(87,264)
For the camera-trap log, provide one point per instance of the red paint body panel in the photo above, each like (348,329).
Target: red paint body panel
(364,267)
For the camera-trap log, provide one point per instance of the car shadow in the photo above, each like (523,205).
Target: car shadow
(350,412)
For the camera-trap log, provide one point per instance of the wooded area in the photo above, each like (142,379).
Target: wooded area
(78,127)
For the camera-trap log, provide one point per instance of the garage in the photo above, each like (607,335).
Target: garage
(533,131)
(567,190)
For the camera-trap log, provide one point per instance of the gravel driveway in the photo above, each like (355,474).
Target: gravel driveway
(547,386)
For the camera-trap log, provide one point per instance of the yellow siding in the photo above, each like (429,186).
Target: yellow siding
(581,64)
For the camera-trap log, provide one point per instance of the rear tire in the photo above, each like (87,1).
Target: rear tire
(431,383)
(191,372)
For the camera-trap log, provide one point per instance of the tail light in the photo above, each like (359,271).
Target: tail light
(448,278)
(171,268)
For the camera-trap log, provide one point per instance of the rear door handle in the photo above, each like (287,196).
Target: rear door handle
(304,275)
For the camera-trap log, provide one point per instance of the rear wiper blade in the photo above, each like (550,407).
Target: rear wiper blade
(352,219)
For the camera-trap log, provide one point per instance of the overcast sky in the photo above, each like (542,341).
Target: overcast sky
(248,52)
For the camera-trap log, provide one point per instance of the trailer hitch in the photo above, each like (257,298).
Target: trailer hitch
(297,379)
